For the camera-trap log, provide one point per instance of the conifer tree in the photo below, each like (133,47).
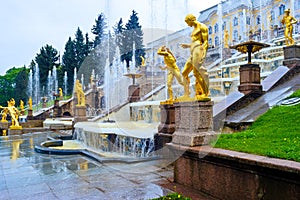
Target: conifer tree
(46,60)
(133,34)
(79,47)
(69,63)
(99,30)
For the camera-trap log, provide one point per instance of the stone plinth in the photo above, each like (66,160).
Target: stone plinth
(167,119)
(193,123)
(250,79)
(57,109)
(30,115)
(291,56)
(166,127)
(4,125)
(3,128)
(133,93)
(80,114)
(15,131)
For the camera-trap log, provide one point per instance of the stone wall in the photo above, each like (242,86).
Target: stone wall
(233,175)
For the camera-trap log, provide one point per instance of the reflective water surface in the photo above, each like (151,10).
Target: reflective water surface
(25,174)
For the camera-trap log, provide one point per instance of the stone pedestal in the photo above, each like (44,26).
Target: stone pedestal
(291,56)
(4,125)
(15,131)
(250,79)
(80,114)
(166,127)
(167,119)
(30,115)
(57,109)
(133,93)
(193,123)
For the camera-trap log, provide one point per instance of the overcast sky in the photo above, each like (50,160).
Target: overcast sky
(28,25)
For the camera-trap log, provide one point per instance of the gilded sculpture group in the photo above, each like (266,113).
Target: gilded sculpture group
(198,48)
(13,112)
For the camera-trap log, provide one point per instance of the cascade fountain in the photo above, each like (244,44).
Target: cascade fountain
(125,137)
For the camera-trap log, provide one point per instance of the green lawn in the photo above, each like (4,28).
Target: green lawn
(274,134)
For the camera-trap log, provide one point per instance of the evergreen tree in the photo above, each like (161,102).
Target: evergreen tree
(69,63)
(119,36)
(88,46)
(79,47)
(133,34)
(46,59)
(99,30)
(21,82)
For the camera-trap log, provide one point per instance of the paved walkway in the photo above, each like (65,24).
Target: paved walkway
(25,174)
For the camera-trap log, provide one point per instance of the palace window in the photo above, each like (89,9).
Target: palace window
(248,20)
(224,25)
(235,21)
(236,35)
(216,27)
(209,30)
(210,42)
(216,41)
(258,19)
(281,9)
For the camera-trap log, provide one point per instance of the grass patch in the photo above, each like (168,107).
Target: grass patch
(295,94)
(274,134)
(173,196)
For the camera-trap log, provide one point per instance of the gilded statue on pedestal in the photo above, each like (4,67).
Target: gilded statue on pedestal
(80,94)
(30,103)
(173,70)
(13,112)
(60,93)
(288,20)
(198,48)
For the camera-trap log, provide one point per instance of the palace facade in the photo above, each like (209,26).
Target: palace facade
(244,20)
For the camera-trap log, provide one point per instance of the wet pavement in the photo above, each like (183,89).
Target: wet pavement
(25,174)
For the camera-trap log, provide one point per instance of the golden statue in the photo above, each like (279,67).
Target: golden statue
(173,70)
(21,105)
(13,112)
(143,64)
(4,115)
(198,48)
(226,39)
(30,103)
(80,94)
(288,20)
(60,93)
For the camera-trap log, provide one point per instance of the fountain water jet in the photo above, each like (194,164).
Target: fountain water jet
(30,82)
(65,82)
(49,86)
(36,81)
(55,81)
